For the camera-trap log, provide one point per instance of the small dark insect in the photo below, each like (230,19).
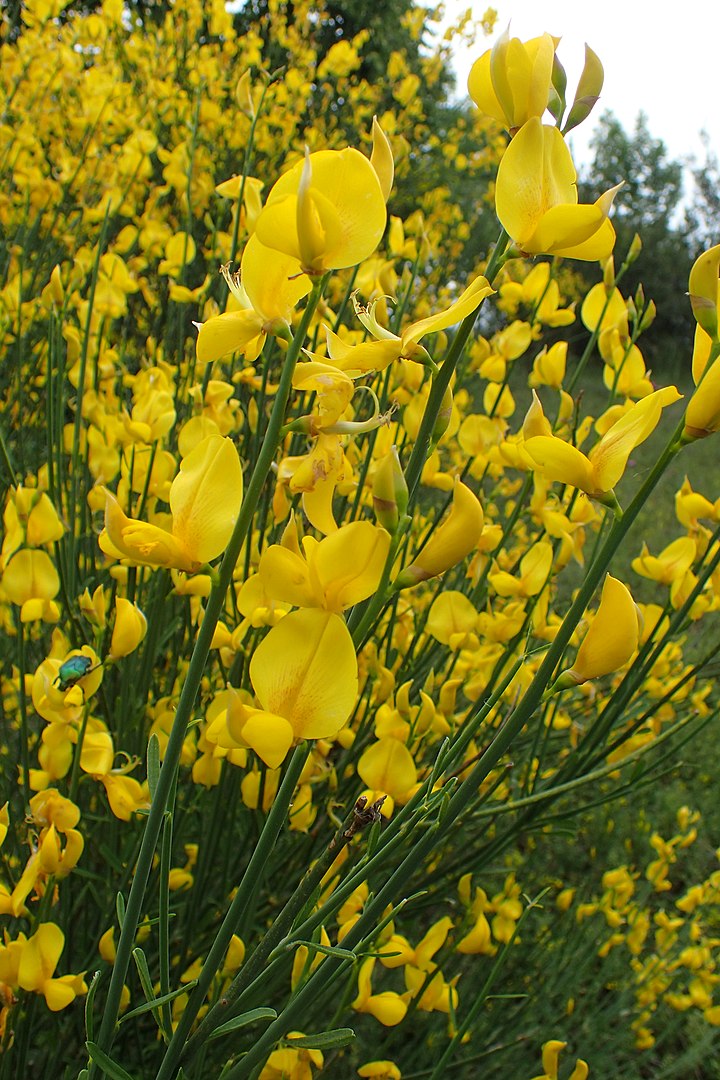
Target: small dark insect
(73,670)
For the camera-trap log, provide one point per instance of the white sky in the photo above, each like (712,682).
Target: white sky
(660,57)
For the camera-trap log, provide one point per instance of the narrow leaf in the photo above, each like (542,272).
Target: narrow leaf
(120,908)
(327,950)
(153,763)
(323,1040)
(89,1000)
(242,1021)
(155,1002)
(110,1067)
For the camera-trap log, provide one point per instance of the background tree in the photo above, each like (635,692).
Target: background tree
(702,217)
(649,203)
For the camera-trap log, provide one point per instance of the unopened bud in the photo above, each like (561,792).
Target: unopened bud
(609,275)
(648,316)
(639,298)
(442,420)
(389,492)
(634,250)
(243,95)
(588,90)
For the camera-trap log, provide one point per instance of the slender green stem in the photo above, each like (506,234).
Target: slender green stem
(190,688)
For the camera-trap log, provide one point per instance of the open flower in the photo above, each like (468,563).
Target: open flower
(511,82)
(598,472)
(537,201)
(265,293)
(611,640)
(328,211)
(379,353)
(305,676)
(205,500)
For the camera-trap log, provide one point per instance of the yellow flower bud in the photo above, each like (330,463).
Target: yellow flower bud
(389,491)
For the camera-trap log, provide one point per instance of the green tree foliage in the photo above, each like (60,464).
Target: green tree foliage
(649,203)
(702,217)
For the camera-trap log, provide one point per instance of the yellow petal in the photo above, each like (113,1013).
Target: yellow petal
(269,736)
(536,173)
(381,159)
(286,576)
(40,956)
(388,766)
(559,461)
(452,540)
(350,562)
(306,671)
(230,332)
(609,457)
(471,298)
(613,635)
(205,498)
(273,281)
(30,575)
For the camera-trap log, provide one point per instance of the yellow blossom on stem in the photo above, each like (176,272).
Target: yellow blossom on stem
(205,500)
(305,676)
(334,573)
(38,961)
(704,289)
(511,82)
(611,640)
(537,202)
(129,630)
(31,581)
(386,347)
(265,293)
(450,542)
(550,1058)
(598,472)
(328,211)
(387,1007)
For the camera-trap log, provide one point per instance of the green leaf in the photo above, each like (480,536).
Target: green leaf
(155,1002)
(242,1021)
(110,1067)
(120,908)
(327,950)
(153,763)
(89,1022)
(322,1040)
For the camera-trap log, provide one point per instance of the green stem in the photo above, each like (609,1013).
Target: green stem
(191,686)
(247,890)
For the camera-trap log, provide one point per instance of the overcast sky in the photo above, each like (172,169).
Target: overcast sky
(660,57)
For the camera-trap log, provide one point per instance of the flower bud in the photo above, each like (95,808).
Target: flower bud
(634,250)
(588,90)
(389,491)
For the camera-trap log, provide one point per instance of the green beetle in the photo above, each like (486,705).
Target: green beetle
(73,670)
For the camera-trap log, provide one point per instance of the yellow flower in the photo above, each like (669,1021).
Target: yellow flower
(703,412)
(550,1055)
(205,500)
(511,82)
(597,473)
(31,581)
(265,293)
(611,640)
(38,960)
(387,1007)
(378,354)
(450,542)
(129,630)
(537,202)
(328,211)
(704,288)
(341,570)
(305,676)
